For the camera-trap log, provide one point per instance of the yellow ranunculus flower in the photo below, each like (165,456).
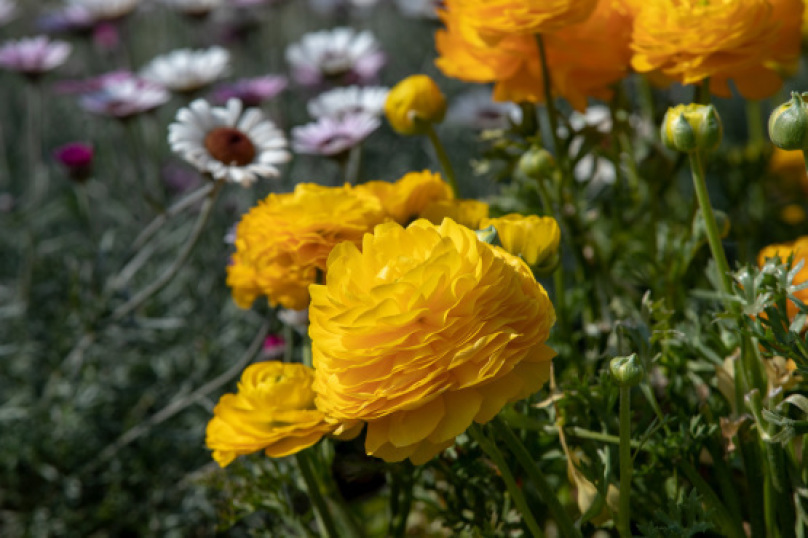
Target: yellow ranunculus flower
(535,239)
(495,19)
(273,411)
(799,248)
(469,213)
(747,41)
(284,240)
(409,196)
(413,104)
(424,331)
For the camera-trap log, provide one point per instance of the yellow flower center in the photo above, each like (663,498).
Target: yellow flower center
(230,146)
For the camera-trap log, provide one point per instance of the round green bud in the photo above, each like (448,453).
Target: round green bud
(536,163)
(691,127)
(788,124)
(488,235)
(628,371)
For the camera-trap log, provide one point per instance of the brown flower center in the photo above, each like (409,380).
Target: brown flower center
(230,146)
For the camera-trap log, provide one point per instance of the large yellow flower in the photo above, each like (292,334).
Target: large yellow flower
(799,248)
(741,40)
(283,241)
(495,19)
(584,59)
(409,196)
(273,411)
(469,213)
(424,331)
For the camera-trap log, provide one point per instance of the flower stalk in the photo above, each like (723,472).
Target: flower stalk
(443,157)
(490,448)
(322,513)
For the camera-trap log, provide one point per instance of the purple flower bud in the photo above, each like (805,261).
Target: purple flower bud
(77,158)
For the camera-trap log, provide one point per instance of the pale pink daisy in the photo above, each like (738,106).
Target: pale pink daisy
(186,70)
(34,55)
(122,95)
(338,56)
(332,137)
(251,91)
(340,102)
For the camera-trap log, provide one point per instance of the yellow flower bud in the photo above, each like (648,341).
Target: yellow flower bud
(691,127)
(788,124)
(535,239)
(413,104)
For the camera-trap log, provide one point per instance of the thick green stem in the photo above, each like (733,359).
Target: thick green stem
(443,157)
(565,523)
(324,519)
(626,464)
(490,448)
(754,123)
(713,235)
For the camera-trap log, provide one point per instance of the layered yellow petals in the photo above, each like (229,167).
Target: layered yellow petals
(534,239)
(584,57)
(424,331)
(741,40)
(495,19)
(409,196)
(273,411)
(799,249)
(283,241)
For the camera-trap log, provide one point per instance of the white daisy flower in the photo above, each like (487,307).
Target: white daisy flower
(341,56)
(592,166)
(339,102)
(186,70)
(476,109)
(105,10)
(330,7)
(228,142)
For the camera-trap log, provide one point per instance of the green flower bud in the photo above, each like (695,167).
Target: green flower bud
(628,371)
(536,163)
(788,124)
(691,127)
(488,235)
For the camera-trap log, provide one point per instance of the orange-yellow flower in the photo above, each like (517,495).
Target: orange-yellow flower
(272,411)
(741,40)
(424,331)
(283,241)
(409,196)
(799,248)
(495,19)
(584,59)
(469,213)
(534,239)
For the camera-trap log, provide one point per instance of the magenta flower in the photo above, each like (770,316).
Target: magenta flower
(331,136)
(76,158)
(33,56)
(273,347)
(251,91)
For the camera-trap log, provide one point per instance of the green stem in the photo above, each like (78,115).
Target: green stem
(729,526)
(552,118)
(750,454)
(754,123)
(36,170)
(565,523)
(166,277)
(703,92)
(443,157)
(490,448)
(324,519)
(713,236)
(626,464)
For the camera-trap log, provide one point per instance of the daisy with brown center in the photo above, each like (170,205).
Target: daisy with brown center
(228,143)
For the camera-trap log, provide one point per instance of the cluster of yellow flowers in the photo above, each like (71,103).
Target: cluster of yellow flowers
(592,44)
(416,331)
